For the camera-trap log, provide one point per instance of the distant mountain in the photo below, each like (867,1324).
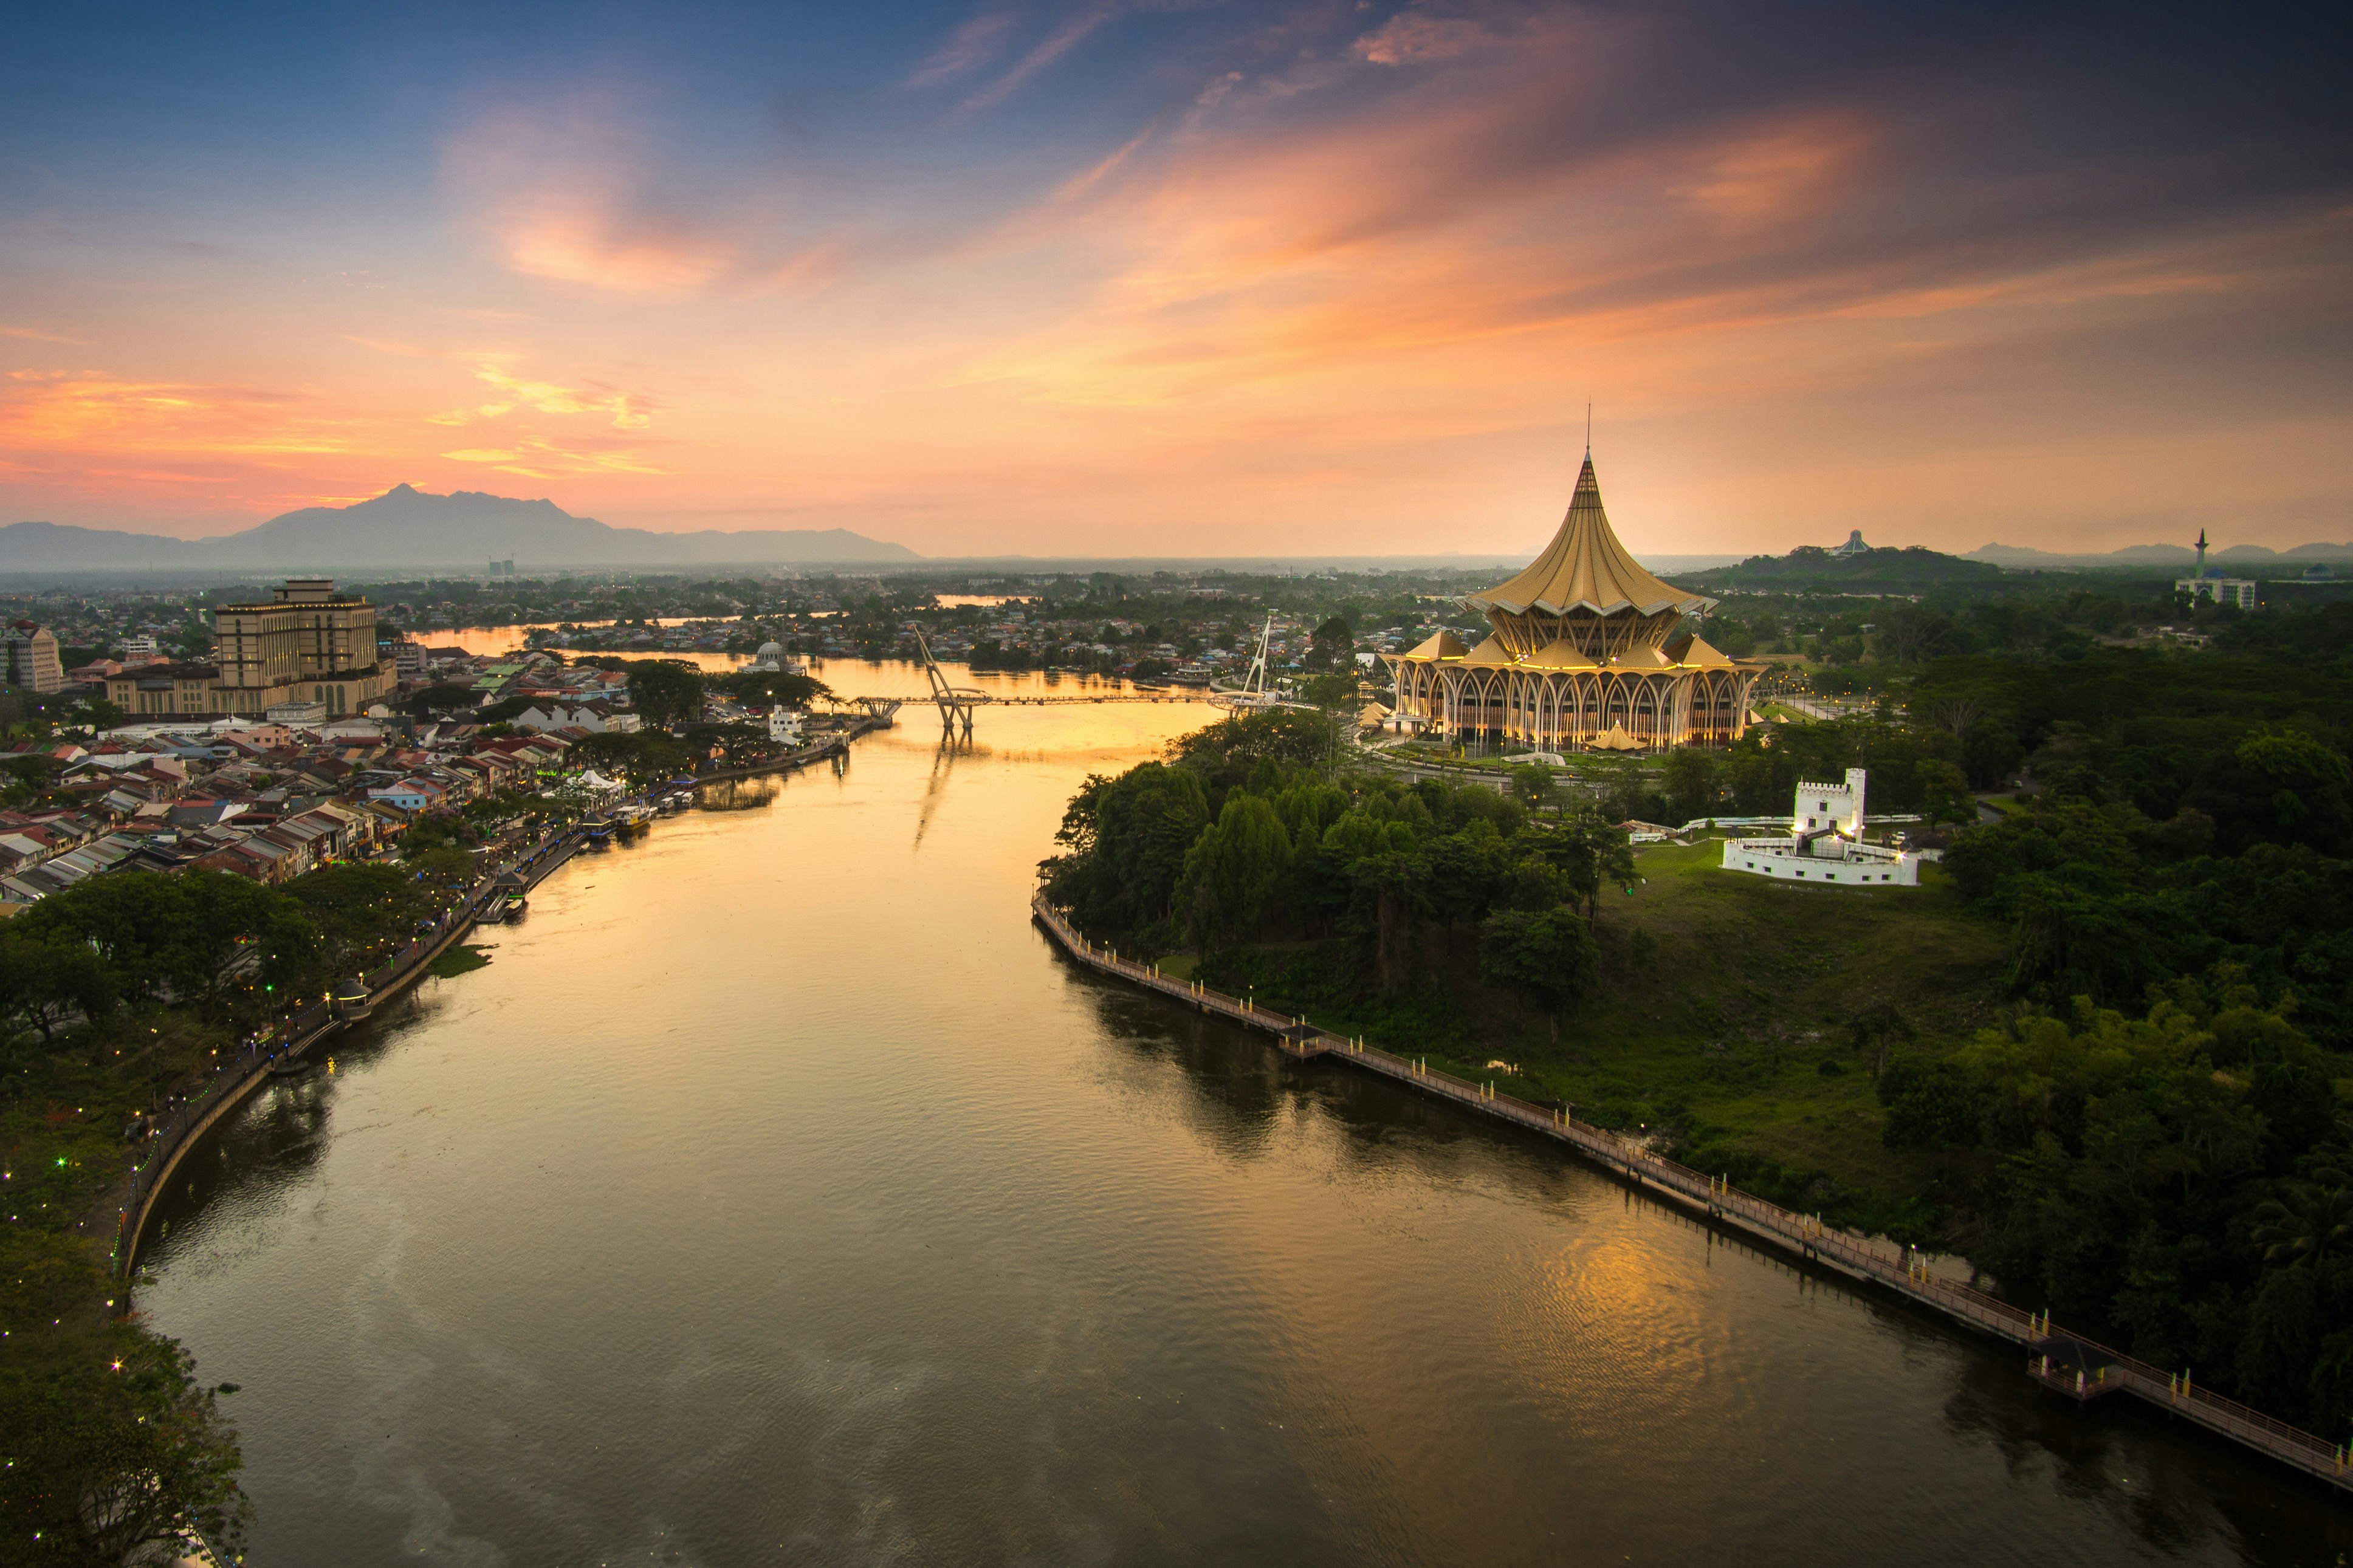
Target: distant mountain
(2167,555)
(1866,570)
(407,528)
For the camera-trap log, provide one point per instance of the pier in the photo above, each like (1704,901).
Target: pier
(2064,1362)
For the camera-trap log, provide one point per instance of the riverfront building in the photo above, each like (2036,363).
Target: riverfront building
(1825,843)
(305,643)
(1578,654)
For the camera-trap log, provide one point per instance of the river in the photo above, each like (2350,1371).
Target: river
(777,1195)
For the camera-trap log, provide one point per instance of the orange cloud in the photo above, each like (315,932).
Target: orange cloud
(564,198)
(91,411)
(38,337)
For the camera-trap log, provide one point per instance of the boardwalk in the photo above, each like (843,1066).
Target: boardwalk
(235,1081)
(2068,1364)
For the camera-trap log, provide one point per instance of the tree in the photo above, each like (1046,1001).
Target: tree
(2310,1225)
(446,698)
(643,757)
(1232,874)
(1875,1030)
(1334,647)
(1125,842)
(181,938)
(1532,783)
(1691,785)
(45,982)
(665,693)
(1592,852)
(1945,792)
(758,688)
(1333,693)
(1550,952)
(1391,891)
(115,1450)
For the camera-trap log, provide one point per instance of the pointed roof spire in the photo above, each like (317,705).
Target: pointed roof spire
(1586,567)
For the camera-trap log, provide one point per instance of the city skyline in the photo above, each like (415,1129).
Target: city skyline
(1163,280)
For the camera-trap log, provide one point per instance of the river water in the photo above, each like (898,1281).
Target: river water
(777,1195)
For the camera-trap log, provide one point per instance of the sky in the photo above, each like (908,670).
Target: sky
(1154,278)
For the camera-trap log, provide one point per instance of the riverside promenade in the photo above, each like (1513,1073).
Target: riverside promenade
(2064,1362)
(235,1081)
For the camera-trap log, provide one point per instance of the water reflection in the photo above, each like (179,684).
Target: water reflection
(777,1191)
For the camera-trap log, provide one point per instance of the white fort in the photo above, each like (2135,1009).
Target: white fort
(1825,843)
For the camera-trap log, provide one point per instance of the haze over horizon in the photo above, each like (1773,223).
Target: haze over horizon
(1156,278)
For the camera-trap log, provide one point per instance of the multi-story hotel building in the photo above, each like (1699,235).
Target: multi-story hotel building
(1578,655)
(30,654)
(304,644)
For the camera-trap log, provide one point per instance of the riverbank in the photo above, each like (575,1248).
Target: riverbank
(236,1081)
(174,1138)
(2076,1367)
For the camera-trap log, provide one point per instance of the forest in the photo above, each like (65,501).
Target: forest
(2136,1116)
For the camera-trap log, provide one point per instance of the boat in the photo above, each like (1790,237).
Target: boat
(514,906)
(600,832)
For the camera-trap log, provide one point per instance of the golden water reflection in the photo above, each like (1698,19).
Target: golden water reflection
(775,1183)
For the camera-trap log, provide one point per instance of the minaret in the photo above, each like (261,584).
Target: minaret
(2200,569)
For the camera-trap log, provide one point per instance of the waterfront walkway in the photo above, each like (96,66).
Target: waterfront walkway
(182,1127)
(2068,1364)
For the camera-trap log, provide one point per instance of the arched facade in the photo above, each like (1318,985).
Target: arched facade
(1578,655)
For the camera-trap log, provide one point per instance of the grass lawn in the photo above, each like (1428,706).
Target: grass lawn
(1724,1018)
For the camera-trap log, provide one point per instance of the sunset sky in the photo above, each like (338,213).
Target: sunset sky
(1159,278)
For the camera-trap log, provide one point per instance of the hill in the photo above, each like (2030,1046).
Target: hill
(1810,567)
(408,527)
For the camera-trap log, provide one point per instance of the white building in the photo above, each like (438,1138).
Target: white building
(2239,591)
(1836,805)
(784,725)
(2206,582)
(1825,843)
(772,658)
(557,716)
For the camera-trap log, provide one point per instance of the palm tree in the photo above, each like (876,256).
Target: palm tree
(2313,1222)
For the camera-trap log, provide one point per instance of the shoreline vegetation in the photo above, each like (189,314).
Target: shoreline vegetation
(2102,1053)
(123,992)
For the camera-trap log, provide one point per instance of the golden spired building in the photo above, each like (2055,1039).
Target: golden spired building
(1578,655)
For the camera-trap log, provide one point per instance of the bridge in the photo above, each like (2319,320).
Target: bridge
(955,703)
(2059,1361)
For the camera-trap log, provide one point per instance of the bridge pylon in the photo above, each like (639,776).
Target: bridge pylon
(955,703)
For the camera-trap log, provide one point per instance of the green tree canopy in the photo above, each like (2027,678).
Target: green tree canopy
(1234,873)
(1549,952)
(664,691)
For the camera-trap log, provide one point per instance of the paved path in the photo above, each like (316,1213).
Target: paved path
(2069,1363)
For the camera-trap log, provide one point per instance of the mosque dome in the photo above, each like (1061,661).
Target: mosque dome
(770,653)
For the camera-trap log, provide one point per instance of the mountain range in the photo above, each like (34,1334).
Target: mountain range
(2158,555)
(409,528)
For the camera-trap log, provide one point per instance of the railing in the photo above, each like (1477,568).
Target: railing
(1897,1268)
